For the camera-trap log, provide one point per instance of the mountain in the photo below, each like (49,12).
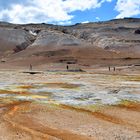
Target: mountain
(111,42)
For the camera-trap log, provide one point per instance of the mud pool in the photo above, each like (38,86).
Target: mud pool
(74,89)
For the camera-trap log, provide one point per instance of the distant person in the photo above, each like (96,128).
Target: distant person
(31,67)
(109,68)
(114,69)
(67,67)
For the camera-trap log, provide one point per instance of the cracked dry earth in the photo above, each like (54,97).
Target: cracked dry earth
(69,106)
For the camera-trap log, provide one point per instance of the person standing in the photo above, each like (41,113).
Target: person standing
(114,69)
(31,67)
(67,67)
(109,68)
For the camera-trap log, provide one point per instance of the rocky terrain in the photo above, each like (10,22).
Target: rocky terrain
(79,82)
(90,43)
(69,106)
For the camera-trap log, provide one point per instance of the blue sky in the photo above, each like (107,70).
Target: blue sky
(66,12)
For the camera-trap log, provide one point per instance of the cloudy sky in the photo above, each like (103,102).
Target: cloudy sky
(66,11)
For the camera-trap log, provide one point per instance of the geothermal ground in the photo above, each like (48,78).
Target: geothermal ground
(86,102)
(61,105)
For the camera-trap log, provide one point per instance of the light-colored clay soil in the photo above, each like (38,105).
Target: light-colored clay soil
(69,105)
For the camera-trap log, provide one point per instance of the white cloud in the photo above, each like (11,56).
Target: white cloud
(84,22)
(57,11)
(63,22)
(97,18)
(109,0)
(127,8)
(73,5)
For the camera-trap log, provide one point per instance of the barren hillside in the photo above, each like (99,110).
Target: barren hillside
(116,40)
